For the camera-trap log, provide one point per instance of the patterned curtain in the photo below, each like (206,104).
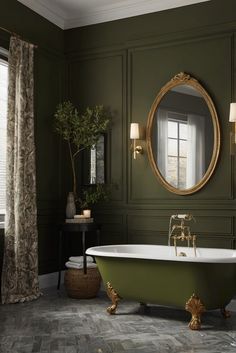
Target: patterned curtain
(20,263)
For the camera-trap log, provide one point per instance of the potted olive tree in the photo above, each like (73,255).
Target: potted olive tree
(80,130)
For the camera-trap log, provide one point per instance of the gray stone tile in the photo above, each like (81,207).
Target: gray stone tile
(57,324)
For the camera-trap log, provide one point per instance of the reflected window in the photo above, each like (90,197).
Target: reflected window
(97,162)
(181,152)
(177,150)
(93,165)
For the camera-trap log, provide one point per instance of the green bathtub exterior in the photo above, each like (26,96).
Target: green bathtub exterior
(170,283)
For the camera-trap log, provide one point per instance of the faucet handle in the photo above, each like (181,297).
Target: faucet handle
(186,217)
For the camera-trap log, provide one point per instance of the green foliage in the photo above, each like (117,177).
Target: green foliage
(81,130)
(64,120)
(96,193)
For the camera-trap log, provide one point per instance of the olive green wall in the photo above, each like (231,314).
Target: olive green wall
(49,90)
(123,64)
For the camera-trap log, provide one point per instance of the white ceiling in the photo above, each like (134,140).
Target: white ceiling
(77,13)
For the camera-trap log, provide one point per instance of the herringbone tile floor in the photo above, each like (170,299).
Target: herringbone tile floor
(57,324)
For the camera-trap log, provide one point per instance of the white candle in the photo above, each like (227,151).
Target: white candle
(87,213)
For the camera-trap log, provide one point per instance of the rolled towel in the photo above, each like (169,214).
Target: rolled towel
(70,264)
(80,259)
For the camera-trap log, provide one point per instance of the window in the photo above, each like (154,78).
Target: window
(97,162)
(3,130)
(177,150)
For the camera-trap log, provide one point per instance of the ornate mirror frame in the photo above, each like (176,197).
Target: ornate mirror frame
(180,79)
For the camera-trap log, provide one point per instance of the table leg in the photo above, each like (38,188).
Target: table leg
(59,260)
(84,255)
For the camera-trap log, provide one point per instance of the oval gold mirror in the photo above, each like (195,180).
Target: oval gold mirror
(183,135)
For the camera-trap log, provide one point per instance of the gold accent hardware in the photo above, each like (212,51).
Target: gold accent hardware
(114,296)
(134,136)
(196,308)
(178,80)
(182,78)
(188,238)
(136,149)
(139,149)
(181,232)
(225,313)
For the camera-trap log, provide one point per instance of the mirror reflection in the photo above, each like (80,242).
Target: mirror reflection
(183,137)
(94,163)
(97,162)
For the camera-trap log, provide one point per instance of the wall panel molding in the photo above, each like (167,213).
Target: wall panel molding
(107,64)
(210,230)
(139,58)
(153,39)
(150,56)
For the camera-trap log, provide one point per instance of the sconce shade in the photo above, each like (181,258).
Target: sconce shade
(232,113)
(134,131)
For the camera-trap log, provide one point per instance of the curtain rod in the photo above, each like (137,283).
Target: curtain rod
(17,35)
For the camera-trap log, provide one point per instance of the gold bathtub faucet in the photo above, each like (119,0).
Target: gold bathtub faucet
(180,231)
(189,238)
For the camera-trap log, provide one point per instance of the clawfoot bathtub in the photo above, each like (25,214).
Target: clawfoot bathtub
(154,274)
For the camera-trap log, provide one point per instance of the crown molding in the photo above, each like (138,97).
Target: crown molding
(124,9)
(98,14)
(51,13)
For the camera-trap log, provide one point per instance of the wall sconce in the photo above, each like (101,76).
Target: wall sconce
(232,119)
(135,135)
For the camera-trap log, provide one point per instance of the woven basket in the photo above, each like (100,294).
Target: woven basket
(79,285)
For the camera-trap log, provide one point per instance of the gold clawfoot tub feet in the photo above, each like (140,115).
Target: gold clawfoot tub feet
(225,313)
(114,298)
(196,308)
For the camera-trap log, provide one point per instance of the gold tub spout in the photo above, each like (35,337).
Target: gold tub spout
(189,238)
(180,231)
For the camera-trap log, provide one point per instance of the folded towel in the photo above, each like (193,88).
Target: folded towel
(70,264)
(80,259)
